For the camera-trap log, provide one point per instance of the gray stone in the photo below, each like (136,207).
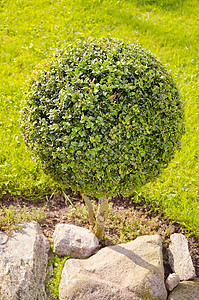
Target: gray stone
(127,271)
(179,257)
(3,238)
(75,241)
(186,290)
(172,281)
(23,261)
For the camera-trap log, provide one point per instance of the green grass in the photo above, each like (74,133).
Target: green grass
(53,278)
(13,218)
(31,30)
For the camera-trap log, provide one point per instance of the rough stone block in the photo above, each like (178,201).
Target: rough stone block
(23,262)
(127,271)
(179,257)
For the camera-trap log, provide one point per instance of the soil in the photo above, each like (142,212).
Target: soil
(56,211)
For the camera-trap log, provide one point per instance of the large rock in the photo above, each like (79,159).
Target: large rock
(73,240)
(126,271)
(188,290)
(179,257)
(23,262)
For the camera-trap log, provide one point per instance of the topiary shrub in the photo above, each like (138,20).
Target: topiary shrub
(103,117)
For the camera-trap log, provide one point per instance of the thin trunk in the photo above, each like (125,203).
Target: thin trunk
(91,215)
(101,216)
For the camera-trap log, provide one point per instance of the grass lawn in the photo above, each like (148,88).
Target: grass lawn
(32,30)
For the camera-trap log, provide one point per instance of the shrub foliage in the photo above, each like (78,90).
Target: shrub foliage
(103,116)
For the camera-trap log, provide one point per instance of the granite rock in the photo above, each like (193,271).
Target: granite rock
(127,271)
(186,290)
(73,240)
(179,257)
(23,262)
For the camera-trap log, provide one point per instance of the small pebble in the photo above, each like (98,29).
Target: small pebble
(3,238)
(172,281)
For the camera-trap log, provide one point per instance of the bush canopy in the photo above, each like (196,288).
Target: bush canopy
(103,116)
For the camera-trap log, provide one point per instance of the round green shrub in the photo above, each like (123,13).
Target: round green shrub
(103,116)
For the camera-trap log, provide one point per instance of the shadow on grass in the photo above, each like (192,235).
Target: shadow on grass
(166,5)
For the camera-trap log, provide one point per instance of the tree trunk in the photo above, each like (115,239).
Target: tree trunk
(101,216)
(91,215)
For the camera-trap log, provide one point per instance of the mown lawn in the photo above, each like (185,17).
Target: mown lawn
(31,30)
